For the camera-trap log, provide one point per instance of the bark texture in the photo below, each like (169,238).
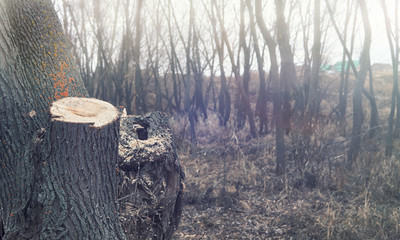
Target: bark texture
(35,69)
(55,179)
(150,187)
(79,194)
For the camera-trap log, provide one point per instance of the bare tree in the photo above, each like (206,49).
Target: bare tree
(224,102)
(393,39)
(368,94)
(288,71)
(306,24)
(261,106)
(153,39)
(140,92)
(345,68)
(276,89)
(198,70)
(314,94)
(173,61)
(358,88)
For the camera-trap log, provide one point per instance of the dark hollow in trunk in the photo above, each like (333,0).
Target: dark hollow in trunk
(150,178)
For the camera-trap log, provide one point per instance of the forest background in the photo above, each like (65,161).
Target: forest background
(271,102)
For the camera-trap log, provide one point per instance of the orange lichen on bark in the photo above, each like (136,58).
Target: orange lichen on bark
(61,82)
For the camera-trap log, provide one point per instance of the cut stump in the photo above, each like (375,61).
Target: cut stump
(80,190)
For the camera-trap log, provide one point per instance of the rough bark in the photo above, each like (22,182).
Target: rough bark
(79,187)
(36,68)
(36,186)
(150,188)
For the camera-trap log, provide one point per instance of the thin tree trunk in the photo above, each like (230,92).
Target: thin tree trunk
(314,95)
(394,51)
(224,107)
(243,99)
(140,96)
(277,92)
(288,71)
(344,73)
(198,99)
(261,106)
(188,110)
(358,88)
(374,108)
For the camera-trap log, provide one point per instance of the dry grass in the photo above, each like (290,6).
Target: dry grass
(232,191)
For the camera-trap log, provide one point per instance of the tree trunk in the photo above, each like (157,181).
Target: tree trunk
(198,100)
(288,71)
(224,105)
(345,69)
(243,97)
(394,52)
(83,145)
(176,89)
(35,69)
(374,108)
(277,92)
(261,106)
(150,189)
(357,95)
(140,96)
(40,195)
(314,95)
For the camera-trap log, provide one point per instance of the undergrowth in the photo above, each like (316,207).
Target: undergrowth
(232,191)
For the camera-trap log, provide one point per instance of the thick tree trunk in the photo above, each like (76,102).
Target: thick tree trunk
(83,145)
(36,68)
(57,179)
(150,192)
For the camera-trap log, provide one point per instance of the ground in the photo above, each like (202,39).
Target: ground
(232,191)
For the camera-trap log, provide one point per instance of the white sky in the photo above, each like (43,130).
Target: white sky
(379,49)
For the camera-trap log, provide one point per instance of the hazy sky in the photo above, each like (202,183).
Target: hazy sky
(380,52)
(379,49)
